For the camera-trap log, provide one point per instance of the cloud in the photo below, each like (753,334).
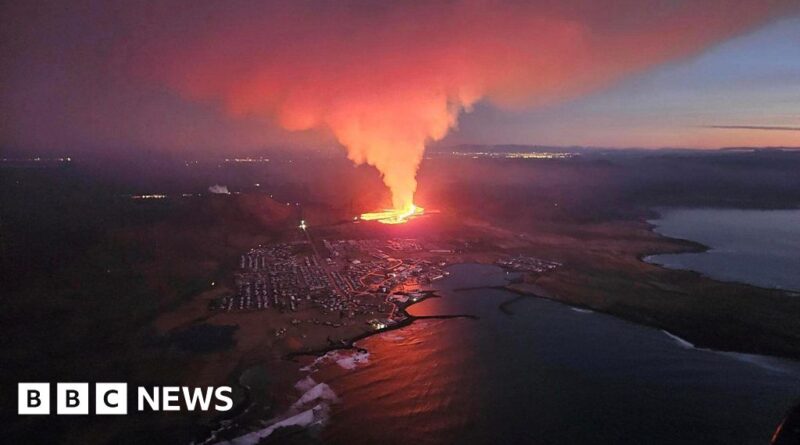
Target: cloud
(754,127)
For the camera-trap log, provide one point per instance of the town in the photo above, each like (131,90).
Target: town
(522,263)
(346,277)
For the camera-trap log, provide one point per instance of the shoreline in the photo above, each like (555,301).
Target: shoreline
(698,247)
(681,340)
(227,423)
(697,337)
(349,344)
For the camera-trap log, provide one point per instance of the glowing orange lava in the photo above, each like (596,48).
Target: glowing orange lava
(393,216)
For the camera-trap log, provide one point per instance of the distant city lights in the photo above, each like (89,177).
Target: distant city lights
(515,155)
(248,159)
(152,196)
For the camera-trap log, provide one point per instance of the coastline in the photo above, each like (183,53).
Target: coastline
(408,319)
(228,423)
(699,247)
(680,339)
(766,361)
(693,285)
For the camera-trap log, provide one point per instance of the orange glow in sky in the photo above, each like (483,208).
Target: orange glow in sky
(384,79)
(387,80)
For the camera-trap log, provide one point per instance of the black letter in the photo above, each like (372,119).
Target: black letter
(33,396)
(72,398)
(105,398)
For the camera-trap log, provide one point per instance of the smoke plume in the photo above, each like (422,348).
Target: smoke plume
(384,78)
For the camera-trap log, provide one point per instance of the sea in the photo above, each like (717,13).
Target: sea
(539,372)
(758,247)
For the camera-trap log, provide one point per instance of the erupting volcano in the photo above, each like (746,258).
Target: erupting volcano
(387,79)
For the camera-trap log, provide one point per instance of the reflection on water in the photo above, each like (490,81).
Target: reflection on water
(759,247)
(548,374)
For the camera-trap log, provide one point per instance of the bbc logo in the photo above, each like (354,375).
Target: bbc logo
(72,398)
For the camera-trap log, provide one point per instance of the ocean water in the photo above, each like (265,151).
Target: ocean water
(545,374)
(758,247)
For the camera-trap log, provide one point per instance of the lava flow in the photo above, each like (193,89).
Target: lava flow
(393,216)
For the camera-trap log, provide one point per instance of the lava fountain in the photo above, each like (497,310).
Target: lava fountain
(393,216)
